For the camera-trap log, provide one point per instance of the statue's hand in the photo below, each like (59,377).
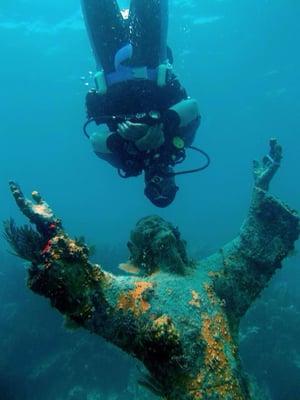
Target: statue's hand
(264,170)
(37,211)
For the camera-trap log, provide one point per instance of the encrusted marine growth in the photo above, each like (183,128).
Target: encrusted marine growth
(181,320)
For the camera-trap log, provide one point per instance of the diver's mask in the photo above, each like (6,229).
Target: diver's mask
(160,186)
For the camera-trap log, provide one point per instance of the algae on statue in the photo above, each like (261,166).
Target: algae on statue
(179,318)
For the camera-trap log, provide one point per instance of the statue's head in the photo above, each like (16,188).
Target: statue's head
(155,244)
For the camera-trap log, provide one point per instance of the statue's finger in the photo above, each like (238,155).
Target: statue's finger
(18,194)
(255,165)
(273,143)
(37,197)
(278,153)
(275,150)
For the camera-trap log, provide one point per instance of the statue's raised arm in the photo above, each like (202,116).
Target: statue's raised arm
(61,271)
(178,317)
(266,237)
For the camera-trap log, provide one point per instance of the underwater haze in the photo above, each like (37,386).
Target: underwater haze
(241,61)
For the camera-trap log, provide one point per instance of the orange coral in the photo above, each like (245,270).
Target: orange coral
(215,332)
(194,387)
(134,299)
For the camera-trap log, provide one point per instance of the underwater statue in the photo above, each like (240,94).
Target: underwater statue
(178,317)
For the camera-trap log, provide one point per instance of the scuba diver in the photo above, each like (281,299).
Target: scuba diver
(147,119)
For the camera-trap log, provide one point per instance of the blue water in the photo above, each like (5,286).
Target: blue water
(241,61)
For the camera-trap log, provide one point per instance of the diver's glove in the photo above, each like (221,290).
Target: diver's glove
(132,131)
(153,139)
(145,137)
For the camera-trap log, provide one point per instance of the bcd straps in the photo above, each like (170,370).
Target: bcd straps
(123,74)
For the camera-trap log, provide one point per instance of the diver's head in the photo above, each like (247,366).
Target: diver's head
(160,187)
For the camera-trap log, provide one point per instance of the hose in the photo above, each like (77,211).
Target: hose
(189,171)
(195,170)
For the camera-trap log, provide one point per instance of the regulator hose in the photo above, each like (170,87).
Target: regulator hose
(195,170)
(186,172)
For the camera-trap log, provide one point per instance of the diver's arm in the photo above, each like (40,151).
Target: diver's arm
(100,142)
(184,113)
(182,120)
(266,238)
(118,152)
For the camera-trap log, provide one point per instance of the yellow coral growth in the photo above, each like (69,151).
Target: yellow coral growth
(214,274)
(134,299)
(163,320)
(195,299)
(215,332)
(210,293)
(97,274)
(194,387)
(163,326)
(60,245)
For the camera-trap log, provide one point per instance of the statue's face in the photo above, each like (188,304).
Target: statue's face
(156,245)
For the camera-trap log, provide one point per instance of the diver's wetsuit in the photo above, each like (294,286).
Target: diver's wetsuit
(146,31)
(133,97)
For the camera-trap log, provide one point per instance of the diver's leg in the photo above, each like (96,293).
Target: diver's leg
(148,21)
(107,30)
